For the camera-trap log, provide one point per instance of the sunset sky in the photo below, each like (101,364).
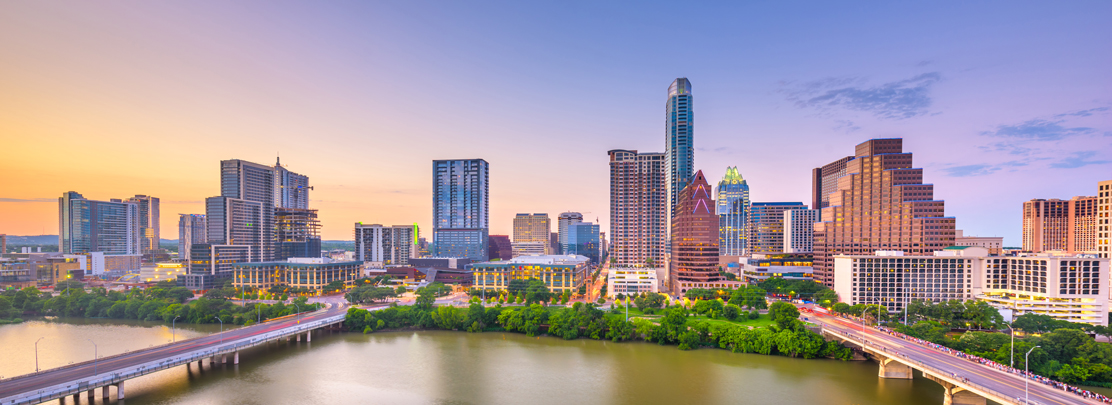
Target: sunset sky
(1000,102)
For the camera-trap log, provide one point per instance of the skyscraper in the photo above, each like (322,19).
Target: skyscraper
(883,205)
(694,239)
(638,207)
(583,240)
(733,214)
(766,226)
(562,222)
(234,221)
(1069,225)
(86,226)
(390,245)
(1104,212)
(192,229)
(824,180)
(460,208)
(679,137)
(298,233)
(248,182)
(799,230)
(291,189)
(149,233)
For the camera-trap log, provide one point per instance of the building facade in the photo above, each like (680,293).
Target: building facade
(891,279)
(583,240)
(880,203)
(87,226)
(558,272)
(562,222)
(291,189)
(1104,216)
(637,208)
(530,229)
(994,244)
(824,181)
(799,230)
(500,247)
(679,143)
(694,259)
(149,229)
(1066,225)
(787,266)
(298,233)
(211,265)
(192,228)
(766,225)
(733,214)
(460,207)
(233,221)
(631,281)
(389,245)
(531,248)
(310,273)
(252,184)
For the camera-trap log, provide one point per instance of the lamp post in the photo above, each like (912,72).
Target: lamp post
(1011,361)
(298,312)
(37,354)
(1027,378)
(94,356)
(221,329)
(174,329)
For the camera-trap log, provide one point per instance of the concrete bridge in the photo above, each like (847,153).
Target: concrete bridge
(965,382)
(113,371)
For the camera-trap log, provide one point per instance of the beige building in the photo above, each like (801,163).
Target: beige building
(1066,225)
(631,280)
(530,229)
(1104,219)
(994,244)
(637,208)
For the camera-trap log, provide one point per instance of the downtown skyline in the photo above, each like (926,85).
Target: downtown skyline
(993,116)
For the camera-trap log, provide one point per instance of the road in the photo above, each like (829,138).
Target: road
(48,378)
(1005,383)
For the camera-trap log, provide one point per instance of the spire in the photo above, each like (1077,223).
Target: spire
(732,176)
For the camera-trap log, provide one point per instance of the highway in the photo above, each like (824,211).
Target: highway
(48,378)
(1008,384)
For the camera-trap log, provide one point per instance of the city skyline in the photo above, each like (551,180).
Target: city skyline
(987,103)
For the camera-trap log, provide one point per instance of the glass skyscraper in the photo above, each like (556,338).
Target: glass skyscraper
(460,208)
(679,136)
(292,189)
(88,226)
(733,213)
(149,228)
(583,240)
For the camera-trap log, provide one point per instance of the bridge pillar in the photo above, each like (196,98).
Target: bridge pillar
(224,358)
(956,395)
(91,394)
(309,336)
(235,360)
(120,391)
(890,368)
(77,398)
(298,337)
(104,393)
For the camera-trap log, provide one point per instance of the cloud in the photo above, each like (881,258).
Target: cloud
(1039,130)
(1082,113)
(719,149)
(1078,159)
(895,100)
(846,126)
(970,170)
(28,200)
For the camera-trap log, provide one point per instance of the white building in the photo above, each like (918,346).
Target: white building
(799,230)
(391,245)
(994,244)
(631,280)
(529,249)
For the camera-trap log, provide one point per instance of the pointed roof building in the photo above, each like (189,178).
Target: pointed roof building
(694,239)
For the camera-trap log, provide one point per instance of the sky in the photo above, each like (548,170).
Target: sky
(1000,102)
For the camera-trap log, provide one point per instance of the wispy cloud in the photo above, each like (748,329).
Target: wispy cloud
(970,170)
(895,100)
(1039,130)
(28,200)
(1078,159)
(1082,113)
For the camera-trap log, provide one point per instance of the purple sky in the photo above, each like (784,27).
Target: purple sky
(999,101)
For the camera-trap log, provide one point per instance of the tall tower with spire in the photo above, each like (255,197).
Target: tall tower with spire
(679,136)
(733,210)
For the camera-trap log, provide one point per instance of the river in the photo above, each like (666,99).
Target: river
(437,367)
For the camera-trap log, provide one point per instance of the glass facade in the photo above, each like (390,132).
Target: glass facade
(192,229)
(251,182)
(733,214)
(766,225)
(87,226)
(679,137)
(583,239)
(460,208)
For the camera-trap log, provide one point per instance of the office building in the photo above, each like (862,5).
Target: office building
(631,281)
(1104,219)
(694,239)
(880,203)
(554,243)
(788,266)
(637,208)
(562,222)
(86,226)
(211,265)
(529,248)
(291,189)
(732,198)
(298,233)
(309,273)
(244,184)
(149,229)
(583,240)
(389,245)
(766,225)
(1065,225)
(824,181)
(679,144)
(994,244)
(460,207)
(558,272)
(233,221)
(192,228)
(799,230)
(530,229)
(500,248)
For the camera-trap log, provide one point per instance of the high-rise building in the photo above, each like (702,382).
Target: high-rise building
(694,239)
(562,222)
(88,226)
(766,225)
(882,205)
(583,240)
(149,233)
(391,245)
(192,229)
(554,243)
(500,247)
(799,230)
(3,243)
(210,265)
(298,233)
(291,189)
(1104,213)
(233,221)
(679,146)
(824,181)
(1067,225)
(733,214)
(533,228)
(638,207)
(250,182)
(460,208)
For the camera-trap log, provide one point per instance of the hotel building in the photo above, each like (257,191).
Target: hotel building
(637,208)
(631,280)
(87,226)
(1066,225)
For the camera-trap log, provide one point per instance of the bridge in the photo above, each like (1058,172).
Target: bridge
(965,382)
(113,371)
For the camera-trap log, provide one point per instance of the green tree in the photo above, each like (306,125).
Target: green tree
(785,315)
(731,312)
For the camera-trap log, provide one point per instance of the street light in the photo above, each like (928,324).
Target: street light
(1027,378)
(37,354)
(174,329)
(94,356)
(298,312)
(221,329)
(1011,362)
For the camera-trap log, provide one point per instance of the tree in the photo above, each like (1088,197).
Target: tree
(826,298)
(785,315)
(731,312)
(840,308)
(425,298)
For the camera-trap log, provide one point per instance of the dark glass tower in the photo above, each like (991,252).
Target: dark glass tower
(460,220)
(733,214)
(679,136)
